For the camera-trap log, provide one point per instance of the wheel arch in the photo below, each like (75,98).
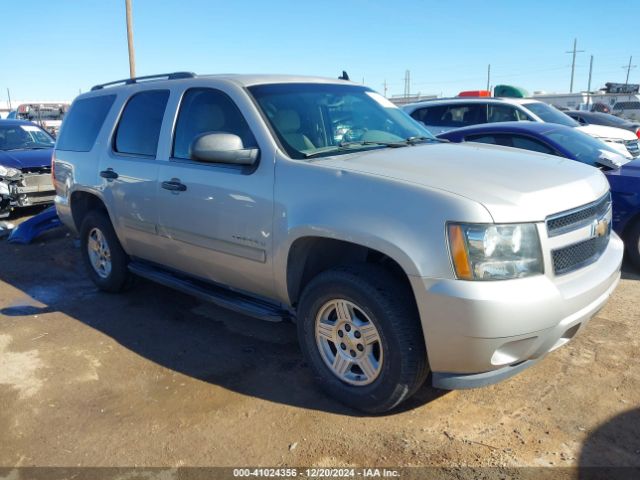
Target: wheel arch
(310,255)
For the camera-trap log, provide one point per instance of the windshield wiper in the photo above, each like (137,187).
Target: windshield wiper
(418,140)
(342,146)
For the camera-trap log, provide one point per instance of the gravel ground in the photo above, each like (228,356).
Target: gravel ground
(156,378)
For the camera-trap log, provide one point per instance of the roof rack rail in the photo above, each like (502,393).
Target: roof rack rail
(130,81)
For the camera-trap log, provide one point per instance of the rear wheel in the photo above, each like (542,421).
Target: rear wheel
(104,258)
(360,333)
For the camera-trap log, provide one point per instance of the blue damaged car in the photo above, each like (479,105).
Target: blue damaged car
(552,139)
(25,166)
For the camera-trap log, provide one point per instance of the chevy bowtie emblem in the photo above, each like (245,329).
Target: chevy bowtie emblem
(600,227)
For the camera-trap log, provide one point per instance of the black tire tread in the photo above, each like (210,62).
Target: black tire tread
(398,304)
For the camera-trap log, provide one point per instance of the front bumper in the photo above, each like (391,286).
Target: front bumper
(478,333)
(29,189)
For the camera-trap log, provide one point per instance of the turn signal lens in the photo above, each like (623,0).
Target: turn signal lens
(459,253)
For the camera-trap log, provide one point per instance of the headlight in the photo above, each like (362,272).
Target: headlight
(8,172)
(495,252)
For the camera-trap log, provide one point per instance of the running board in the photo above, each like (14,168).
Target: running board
(223,297)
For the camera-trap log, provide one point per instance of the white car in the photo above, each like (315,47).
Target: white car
(443,115)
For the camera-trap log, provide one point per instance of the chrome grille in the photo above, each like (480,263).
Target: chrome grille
(579,217)
(633,147)
(578,255)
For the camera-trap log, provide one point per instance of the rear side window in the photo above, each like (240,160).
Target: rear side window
(83,122)
(458,115)
(139,127)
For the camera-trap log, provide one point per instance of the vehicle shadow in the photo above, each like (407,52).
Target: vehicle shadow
(612,451)
(174,330)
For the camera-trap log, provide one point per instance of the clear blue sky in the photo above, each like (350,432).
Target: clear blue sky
(52,49)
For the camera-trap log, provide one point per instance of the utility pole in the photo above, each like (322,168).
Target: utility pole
(589,85)
(407,83)
(9,98)
(132,54)
(628,67)
(385,87)
(488,76)
(573,63)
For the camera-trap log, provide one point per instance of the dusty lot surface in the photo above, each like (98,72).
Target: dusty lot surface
(156,378)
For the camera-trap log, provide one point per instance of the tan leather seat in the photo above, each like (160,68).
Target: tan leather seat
(288,123)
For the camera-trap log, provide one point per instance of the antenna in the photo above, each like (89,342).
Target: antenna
(344,76)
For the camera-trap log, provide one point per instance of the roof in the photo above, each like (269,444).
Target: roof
(243,80)
(506,127)
(11,121)
(455,100)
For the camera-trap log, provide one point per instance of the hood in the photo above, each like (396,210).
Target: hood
(514,185)
(26,158)
(601,131)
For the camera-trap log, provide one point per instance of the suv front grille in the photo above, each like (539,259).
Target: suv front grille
(633,147)
(578,255)
(573,219)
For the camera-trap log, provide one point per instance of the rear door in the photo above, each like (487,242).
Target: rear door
(218,223)
(129,172)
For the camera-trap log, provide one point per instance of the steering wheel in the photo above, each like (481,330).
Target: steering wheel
(354,134)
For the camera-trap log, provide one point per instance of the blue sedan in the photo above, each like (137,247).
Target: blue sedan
(623,175)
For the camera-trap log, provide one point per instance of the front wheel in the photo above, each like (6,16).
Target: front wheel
(360,333)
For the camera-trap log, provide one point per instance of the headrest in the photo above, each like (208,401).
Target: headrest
(287,121)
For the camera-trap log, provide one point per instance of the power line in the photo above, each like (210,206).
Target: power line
(573,63)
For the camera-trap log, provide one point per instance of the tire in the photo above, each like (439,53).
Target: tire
(97,229)
(395,363)
(632,242)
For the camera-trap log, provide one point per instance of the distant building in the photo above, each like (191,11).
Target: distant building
(405,99)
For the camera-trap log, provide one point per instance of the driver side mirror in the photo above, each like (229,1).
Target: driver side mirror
(222,148)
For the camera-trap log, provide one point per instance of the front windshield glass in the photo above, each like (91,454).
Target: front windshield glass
(316,120)
(550,114)
(24,137)
(586,148)
(608,120)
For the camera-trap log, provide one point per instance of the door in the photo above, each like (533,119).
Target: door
(129,172)
(217,218)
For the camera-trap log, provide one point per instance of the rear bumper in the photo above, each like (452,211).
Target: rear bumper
(478,333)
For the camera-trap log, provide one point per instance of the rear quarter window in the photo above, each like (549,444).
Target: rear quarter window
(83,122)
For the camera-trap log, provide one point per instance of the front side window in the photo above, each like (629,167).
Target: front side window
(550,114)
(24,137)
(318,119)
(139,128)
(205,110)
(502,113)
(526,143)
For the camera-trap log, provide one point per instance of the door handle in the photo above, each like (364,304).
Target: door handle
(174,186)
(109,174)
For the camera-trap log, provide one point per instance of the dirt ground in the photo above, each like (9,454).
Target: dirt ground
(156,378)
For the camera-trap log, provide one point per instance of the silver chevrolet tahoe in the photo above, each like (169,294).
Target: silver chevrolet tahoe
(318,201)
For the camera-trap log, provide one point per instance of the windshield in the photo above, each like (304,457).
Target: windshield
(315,119)
(586,148)
(609,120)
(550,114)
(24,137)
